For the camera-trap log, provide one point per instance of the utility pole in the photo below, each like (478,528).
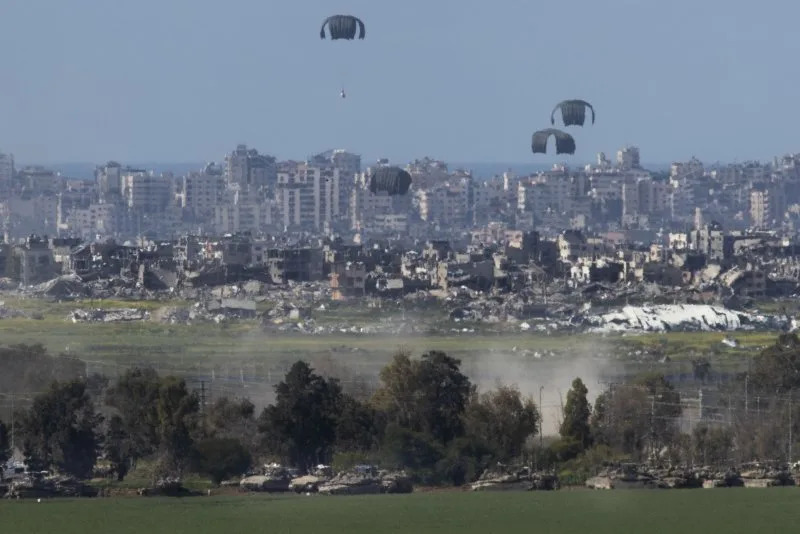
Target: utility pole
(746,378)
(203,398)
(700,403)
(652,427)
(730,411)
(12,423)
(541,422)
(790,430)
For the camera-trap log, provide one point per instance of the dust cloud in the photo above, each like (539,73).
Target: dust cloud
(553,374)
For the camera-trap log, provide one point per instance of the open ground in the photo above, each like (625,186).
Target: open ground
(241,358)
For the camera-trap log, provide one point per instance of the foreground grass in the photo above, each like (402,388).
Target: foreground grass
(730,511)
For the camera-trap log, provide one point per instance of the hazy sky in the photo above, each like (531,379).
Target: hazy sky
(461,80)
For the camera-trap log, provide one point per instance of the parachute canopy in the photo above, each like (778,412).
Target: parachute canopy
(565,144)
(343,27)
(393,180)
(573,112)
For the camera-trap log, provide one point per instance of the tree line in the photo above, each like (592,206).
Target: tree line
(426,417)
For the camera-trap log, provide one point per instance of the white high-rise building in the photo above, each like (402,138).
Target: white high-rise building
(243,210)
(202,192)
(308,196)
(628,158)
(145,192)
(247,168)
(109,181)
(6,167)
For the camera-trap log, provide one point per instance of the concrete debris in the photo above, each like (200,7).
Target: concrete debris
(69,285)
(730,342)
(11,313)
(110,315)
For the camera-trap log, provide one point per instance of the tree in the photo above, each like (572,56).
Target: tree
(399,393)
(577,412)
(621,419)
(229,418)
(134,396)
(60,430)
(220,458)
(301,424)
(427,395)
(415,451)
(777,368)
(177,411)
(118,447)
(31,368)
(358,428)
(712,444)
(502,420)
(445,392)
(631,418)
(159,415)
(665,410)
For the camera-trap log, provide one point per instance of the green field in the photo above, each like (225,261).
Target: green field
(241,358)
(202,345)
(728,511)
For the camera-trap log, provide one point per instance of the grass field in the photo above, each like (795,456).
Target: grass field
(242,359)
(690,511)
(201,345)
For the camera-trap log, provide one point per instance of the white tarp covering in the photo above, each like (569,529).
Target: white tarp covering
(682,317)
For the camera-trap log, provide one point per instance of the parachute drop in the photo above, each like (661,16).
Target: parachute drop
(392,180)
(573,112)
(565,144)
(343,27)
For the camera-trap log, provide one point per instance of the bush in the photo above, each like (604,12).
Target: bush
(220,458)
(576,471)
(564,450)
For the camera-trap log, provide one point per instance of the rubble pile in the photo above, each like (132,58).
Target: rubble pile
(98,315)
(11,313)
(174,315)
(523,479)
(68,285)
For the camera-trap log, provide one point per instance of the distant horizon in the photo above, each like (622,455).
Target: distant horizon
(482,169)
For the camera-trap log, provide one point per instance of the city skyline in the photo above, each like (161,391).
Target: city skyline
(154,82)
